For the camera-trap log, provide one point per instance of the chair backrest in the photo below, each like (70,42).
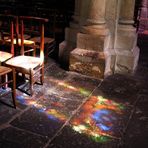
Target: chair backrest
(7,24)
(34,21)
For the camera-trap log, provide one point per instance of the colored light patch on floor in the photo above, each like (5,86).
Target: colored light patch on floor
(98,118)
(51,113)
(72,88)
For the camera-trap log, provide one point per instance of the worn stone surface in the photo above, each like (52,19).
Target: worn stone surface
(70,138)
(90,42)
(73,110)
(36,121)
(126,37)
(15,138)
(6,114)
(127,11)
(87,62)
(130,64)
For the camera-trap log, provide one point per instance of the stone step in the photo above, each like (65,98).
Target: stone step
(87,62)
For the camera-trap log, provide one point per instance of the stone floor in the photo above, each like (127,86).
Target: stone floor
(74,111)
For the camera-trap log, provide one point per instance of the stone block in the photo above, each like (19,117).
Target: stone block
(87,62)
(110,58)
(126,61)
(126,37)
(90,42)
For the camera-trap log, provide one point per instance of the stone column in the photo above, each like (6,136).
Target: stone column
(127,12)
(126,49)
(96,12)
(70,37)
(88,58)
(95,23)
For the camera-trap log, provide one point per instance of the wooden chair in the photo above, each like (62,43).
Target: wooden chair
(28,44)
(6,54)
(49,39)
(4,71)
(30,66)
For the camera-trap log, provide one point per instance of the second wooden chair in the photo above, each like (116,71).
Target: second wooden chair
(30,66)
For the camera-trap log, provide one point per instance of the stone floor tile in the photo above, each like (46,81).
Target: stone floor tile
(121,87)
(136,134)
(55,72)
(15,138)
(35,120)
(102,115)
(68,138)
(63,106)
(6,113)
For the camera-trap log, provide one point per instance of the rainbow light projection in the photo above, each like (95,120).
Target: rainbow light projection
(80,90)
(97,118)
(51,113)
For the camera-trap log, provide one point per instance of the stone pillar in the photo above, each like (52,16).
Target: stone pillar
(125,47)
(70,37)
(96,12)
(127,12)
(95,23)
(88,58)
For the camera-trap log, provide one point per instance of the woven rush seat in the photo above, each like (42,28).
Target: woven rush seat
(5,56)
(25,62)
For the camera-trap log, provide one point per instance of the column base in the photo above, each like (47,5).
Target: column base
(121,61)
(126,61)
(94,42)
(87,62)
(95,29)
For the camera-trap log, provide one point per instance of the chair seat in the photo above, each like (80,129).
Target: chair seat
(26,42)
(7,36)
(5,56)
(4,70)
(24,62)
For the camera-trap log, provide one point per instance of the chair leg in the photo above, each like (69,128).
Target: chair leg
(42,75)
(4,79)
(31,82)
(14,88)
(34,50)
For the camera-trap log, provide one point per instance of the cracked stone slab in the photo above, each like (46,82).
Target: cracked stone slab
(136,134)
(16,138)
(35,120)
(6,113)
(124,88)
